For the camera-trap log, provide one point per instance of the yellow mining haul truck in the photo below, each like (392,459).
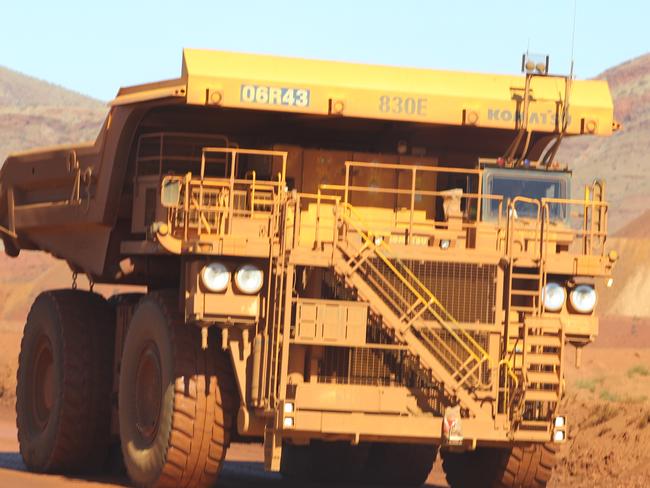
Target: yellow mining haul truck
(359,265)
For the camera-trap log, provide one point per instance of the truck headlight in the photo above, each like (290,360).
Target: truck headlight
(583,298)
(215,277)
(249,279)
(553,297)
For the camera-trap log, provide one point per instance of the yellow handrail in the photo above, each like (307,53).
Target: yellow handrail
(482,355)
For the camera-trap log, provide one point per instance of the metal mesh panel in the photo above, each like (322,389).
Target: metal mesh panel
(466,290)
(364,366)
(368,367)
(454,350)
(335,365)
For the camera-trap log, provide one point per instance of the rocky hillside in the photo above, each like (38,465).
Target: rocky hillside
(34,113)
(623,160)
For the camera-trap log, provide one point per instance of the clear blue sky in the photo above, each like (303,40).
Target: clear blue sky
(95,47)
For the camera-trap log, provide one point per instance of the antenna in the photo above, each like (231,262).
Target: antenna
(549,156)
(573,35)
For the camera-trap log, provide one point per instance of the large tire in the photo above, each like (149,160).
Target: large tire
(175,399)
(326,462)
(63,394)
(375,464)
(522,467)
(115,464)
(400,464)
(297,463)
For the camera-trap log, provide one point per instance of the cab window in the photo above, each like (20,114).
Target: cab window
(511,183)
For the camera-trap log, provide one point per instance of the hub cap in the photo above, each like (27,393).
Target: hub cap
(148,392)
(42,383)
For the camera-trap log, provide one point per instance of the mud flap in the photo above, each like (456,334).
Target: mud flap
(452,430)
(272,448)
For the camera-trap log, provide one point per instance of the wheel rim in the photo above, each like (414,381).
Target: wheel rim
(148,392)
(43,382)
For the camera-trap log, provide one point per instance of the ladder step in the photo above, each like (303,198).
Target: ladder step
(522,308)
(526,276)
(542,377)
(541,396)
(534,424)
(525,293)
(542,359)
(543,340)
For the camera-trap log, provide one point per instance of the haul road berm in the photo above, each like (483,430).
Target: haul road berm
(362,266)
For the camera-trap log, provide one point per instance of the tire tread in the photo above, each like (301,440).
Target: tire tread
(203,392)
(83,431)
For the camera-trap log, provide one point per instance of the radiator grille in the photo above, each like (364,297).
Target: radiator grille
(364,366)
(466,290)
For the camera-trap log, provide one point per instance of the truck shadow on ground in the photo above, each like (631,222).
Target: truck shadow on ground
(12,461)
(235,474)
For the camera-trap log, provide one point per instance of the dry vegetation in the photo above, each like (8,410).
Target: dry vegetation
(34,113)
(607,445)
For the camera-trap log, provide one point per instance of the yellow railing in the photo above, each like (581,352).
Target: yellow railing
(424,299)
(208,205)
(471,203)
(594,229)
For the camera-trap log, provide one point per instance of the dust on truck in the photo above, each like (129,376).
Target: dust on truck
(362,266)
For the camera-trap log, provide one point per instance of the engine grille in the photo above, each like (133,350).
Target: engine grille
(466,290)
(367,366)
(363,366)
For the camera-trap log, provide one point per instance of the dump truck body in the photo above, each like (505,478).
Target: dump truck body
(389,255)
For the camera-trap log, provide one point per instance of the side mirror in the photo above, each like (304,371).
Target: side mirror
(170,194)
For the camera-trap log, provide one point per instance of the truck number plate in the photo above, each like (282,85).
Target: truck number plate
(403,105)
(273,95)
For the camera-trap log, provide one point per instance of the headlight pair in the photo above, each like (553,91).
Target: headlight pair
(582,297)
(248,278)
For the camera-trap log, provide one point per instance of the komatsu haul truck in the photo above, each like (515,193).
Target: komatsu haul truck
(361,266)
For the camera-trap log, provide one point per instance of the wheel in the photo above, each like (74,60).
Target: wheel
(297,463)
(122,304)
(175,399)
(374,464)
(321,461)
(400,464)
(527,467)
(63,393)
(125,298)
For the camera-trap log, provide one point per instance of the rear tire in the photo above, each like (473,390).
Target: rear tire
(374,464)
(175,399)
(400,464)
(326,462)
(64,386)
(123,304)
(297,463)
(526,467)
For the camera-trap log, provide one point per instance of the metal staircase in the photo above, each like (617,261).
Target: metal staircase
(410,310)
(542,365)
